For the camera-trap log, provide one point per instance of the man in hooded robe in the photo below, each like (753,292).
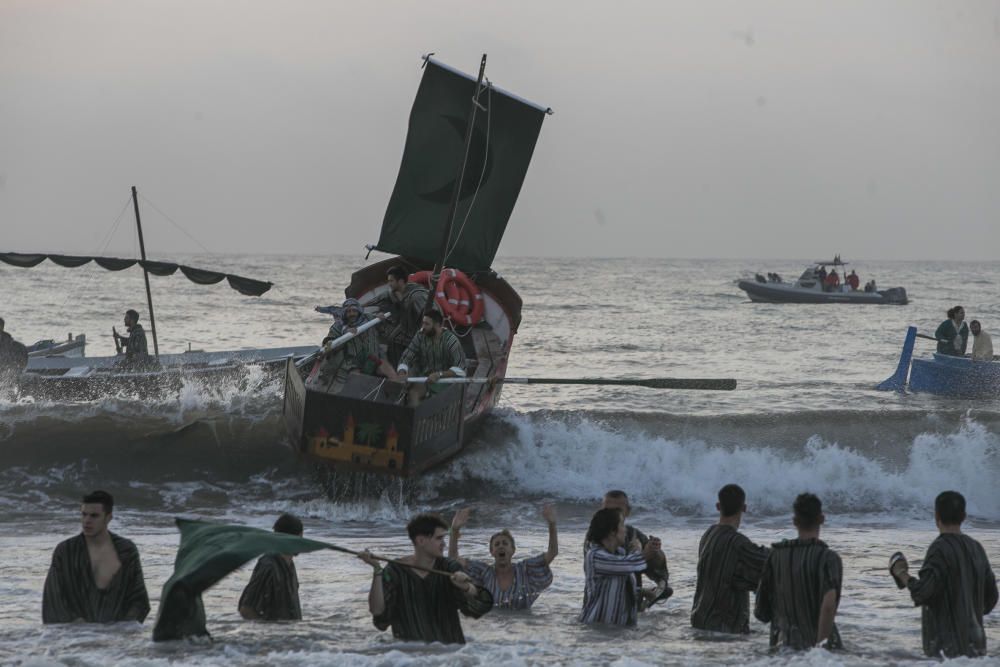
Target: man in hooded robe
(800,587)
(955,588)
(358,355)
(96,576)
(729,567)
(273,591)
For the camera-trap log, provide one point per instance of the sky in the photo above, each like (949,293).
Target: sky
(702,129)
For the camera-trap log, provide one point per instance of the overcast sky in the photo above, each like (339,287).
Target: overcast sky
(681,129)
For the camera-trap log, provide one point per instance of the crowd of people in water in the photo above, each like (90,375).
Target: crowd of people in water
(96,577)
(953,337)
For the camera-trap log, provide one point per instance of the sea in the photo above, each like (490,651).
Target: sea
(805,417)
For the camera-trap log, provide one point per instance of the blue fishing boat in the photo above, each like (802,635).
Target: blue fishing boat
(943,374)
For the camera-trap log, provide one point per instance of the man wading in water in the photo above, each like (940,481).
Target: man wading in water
(955,588)
(421,605)
(96,576)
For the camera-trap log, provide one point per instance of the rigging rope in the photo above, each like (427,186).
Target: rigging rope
(175,224)
(482,174)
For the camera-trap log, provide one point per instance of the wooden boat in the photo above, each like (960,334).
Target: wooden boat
(366,426)
(810,289)
(66,378)
(943,374)
(71,347)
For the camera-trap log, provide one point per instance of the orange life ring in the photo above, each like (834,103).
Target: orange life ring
(463,301)
(456,295)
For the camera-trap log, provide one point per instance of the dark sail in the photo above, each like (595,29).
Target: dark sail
(247,286)
(503,140)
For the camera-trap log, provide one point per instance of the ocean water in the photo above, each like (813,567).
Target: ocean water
(804,417)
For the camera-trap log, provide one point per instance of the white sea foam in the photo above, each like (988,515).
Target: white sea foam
(579,461)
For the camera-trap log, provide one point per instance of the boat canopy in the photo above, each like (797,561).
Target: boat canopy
(503,139)
(247,286)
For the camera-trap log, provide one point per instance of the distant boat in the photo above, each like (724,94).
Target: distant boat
(809,288)
(71,347)
(943,374)
(60,372)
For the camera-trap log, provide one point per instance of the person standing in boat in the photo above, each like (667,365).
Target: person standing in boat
(433,352)
(358,355)
(853,281)
(513,585)
(832,281)
(133,346)
(406,303)
(955,588)
(982,344)
(953,334)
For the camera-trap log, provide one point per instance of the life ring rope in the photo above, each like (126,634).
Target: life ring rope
(458,297)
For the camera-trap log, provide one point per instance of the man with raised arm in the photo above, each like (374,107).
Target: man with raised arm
(729,567)
(955,588)
(800,587)
(433,353)
(420,605)
(512,585)
(96,576)
(272,593)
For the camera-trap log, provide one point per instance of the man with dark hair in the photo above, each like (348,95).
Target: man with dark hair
(611,594)
(800,587)
(133,346)
(421,605)
(96,576)
(406,303)
(729,567)
(657,569)
(435,353)
(982,344)
(273,591)
(956,586)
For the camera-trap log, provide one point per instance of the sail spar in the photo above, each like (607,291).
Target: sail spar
(503,140)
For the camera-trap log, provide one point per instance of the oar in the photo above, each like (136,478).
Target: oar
(334,547)
(727,384)
(340,340)
(920,335)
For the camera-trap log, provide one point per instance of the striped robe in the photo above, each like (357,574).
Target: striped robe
(729,567)
(426,608)
(425,355)
(273,590)
(531,577)
(956,587)
(354,355)
(611,593)
(71,594)
(797,574)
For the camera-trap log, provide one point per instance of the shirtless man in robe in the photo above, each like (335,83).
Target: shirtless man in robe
(96,576)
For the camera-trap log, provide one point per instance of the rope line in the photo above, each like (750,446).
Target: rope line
(174,223)
(482,174)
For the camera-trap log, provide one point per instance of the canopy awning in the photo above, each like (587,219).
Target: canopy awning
(247,286)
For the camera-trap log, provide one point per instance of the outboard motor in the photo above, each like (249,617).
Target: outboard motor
(895,295)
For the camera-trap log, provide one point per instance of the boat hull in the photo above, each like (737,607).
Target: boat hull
(88,379)
(790,293)
(943,375)
(367,428)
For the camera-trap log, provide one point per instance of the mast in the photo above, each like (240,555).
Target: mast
(453,206)
(145,274)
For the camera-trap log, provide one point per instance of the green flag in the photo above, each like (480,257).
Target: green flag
(503,139)
(207,553)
